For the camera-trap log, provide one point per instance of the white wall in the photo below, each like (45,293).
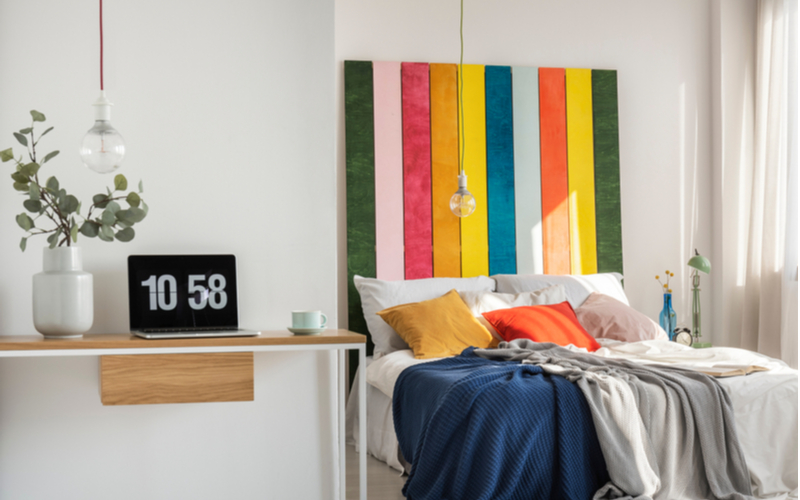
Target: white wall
(227,110)
(661,50)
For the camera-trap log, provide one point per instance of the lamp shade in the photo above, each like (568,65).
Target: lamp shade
(700,263)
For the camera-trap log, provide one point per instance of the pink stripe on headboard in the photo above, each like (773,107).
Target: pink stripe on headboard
(387,97)
(417,170)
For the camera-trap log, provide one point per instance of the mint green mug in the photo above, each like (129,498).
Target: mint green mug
(309,319)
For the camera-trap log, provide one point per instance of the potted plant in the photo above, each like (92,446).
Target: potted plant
(62,293)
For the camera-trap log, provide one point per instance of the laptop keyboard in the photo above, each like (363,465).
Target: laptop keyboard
(192,329)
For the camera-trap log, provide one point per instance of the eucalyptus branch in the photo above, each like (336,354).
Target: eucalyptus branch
(61,208)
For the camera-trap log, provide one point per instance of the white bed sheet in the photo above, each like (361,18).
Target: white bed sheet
(381,438)
(764,404)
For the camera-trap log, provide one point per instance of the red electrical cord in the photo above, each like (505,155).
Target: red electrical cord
(101,45)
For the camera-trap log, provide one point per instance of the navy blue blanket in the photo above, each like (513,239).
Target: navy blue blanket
(477,429)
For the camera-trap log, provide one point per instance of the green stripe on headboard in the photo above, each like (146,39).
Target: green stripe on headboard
(606,171)
(360,161)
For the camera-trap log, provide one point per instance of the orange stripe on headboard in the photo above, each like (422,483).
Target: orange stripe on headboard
(555,187)
(444,170)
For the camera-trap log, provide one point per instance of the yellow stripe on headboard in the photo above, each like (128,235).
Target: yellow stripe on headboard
(475,228)
(580,160)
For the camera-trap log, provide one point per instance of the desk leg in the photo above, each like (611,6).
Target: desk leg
(342,369)
(362,421)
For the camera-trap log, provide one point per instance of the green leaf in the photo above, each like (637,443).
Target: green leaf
(138,214)
(20,177)
(113,206)
(37,117)
(35,194)
(126,234)
(52,184)
(50,156)
(73,232)
(99,198)
(26,131)
(141,187)
(70,204)
(133,199)
(45,132)
(108,218)
(20,186)
(6,155)
(145,208)
(23,243)
(21,139)
(61,199)
(125,218)
(53,238)
(132,215)
(120,183)
(32,206)
(90,229)
(106,233)
(24,221)
(30,169)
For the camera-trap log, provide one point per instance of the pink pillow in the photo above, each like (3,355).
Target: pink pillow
(605,317)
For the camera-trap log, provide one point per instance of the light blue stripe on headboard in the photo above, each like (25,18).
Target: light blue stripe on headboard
(527,171)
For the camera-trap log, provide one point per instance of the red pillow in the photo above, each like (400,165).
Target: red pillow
(554,323)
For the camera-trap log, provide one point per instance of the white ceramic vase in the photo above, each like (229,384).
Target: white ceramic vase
(63,299)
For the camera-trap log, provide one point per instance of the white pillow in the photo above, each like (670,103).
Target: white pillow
(377,295)
(578,287)
(480,302)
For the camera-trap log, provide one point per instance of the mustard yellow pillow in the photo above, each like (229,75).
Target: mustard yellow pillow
(437,328)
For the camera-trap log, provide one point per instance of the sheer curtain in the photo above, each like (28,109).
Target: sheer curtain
(768,313)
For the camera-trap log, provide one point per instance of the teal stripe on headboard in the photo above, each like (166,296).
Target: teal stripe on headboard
(500,171)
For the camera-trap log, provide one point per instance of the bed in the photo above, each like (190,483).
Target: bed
(764,404)
(405,247)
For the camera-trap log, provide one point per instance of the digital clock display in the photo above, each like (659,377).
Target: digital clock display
(182,291)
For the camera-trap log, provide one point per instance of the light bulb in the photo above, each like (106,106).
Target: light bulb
(462,203)
(102,149)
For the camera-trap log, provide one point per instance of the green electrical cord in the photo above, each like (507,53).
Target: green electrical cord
(461,92)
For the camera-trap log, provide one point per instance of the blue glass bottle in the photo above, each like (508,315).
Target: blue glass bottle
(668,319)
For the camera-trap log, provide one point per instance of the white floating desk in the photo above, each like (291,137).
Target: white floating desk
(118,348)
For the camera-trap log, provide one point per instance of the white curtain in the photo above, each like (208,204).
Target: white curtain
(789,330)
(767,307)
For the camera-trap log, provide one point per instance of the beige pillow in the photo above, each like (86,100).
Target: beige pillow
(481,301)
(605,317)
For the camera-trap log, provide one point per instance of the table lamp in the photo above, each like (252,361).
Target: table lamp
(698,263)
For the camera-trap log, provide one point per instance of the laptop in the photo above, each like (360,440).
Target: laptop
(184,296)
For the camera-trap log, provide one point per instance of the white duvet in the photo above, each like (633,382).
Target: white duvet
(764,403)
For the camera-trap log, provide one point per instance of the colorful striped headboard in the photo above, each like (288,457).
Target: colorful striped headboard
(542,160)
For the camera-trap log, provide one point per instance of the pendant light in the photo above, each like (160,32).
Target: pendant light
(102,149)
(462,203)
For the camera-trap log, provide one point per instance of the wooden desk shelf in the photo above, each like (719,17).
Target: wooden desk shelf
(111,341)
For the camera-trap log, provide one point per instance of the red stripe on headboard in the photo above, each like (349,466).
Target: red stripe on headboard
(417,170)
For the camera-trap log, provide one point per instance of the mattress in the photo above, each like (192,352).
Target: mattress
(764,404)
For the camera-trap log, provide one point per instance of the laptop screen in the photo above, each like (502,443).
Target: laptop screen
(182,291)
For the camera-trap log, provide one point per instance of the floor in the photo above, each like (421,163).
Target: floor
(383,482)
